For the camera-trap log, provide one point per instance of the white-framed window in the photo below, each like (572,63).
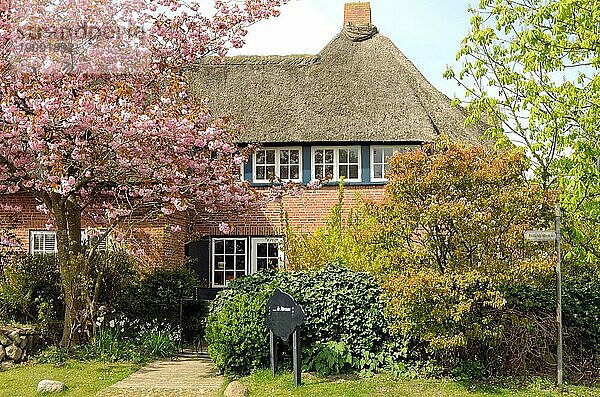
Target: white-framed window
(267,253)
(90,241)
(228,260)
(380,156)
(42,242)
(335,163)
(283,163)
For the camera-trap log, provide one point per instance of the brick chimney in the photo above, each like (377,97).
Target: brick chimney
(357,14)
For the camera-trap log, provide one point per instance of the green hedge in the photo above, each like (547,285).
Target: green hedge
(156,296)
(30,289)
(341,306)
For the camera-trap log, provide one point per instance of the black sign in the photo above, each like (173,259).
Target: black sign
(283,314)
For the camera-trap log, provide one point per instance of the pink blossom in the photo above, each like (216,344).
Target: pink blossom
(111,146)
(225,228)
(314,184)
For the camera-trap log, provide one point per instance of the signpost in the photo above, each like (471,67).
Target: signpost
(554,235)
(540,235)
(284,317)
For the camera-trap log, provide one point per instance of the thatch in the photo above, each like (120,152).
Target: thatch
(356,91)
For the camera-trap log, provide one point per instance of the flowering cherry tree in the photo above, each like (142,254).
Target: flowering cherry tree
(96,120)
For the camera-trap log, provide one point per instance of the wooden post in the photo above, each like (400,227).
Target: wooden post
(273,350)
(296,357)
(559,347)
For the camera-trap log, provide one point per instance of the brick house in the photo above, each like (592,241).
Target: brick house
(340,113)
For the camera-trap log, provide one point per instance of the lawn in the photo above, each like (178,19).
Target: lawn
(262,384)
(83,379)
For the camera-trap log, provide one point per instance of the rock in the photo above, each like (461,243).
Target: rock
(4,340)
(13,352)
(23,343)
(14,336)
(2,352)
(50,386)
(236,389)
(6,365)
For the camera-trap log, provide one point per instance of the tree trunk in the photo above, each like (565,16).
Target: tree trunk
(68,239)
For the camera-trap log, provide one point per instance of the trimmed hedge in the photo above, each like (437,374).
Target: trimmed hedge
(341,306)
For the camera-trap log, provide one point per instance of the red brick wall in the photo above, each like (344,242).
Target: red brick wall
(305,212)
(161,246)
(357,14)
(28,219)
(158,245)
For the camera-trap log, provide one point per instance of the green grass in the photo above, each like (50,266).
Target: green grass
(263,384)
(83,379)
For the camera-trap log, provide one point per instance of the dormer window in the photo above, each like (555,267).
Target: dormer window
(277,163)
(336,163)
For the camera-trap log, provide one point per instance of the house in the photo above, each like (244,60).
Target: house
(340,113)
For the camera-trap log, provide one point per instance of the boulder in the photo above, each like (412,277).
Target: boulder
(50,386)
(4,339)
(14,352)
(236,389)
(2,352)
(6,365)
(23,343)
(14,336)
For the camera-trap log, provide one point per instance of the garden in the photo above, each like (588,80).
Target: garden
(435,282)
(137,320)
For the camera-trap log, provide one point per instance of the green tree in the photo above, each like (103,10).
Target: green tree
(452,224)
(530,70)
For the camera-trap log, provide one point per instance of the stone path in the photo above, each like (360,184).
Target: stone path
(190,375)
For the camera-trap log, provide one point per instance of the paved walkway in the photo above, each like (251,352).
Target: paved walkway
(190,375)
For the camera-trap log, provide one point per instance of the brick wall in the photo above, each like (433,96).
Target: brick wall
(28,219)
(357,14)
(305,212)
(160,246)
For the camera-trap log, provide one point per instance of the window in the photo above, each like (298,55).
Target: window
(90,241)
(380,156)
(335,163)
(267,253)
(228,260)
(42,242)
(277,163)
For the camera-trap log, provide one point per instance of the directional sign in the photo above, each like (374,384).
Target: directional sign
(540,235)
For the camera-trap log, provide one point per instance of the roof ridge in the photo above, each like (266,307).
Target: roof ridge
(292,60)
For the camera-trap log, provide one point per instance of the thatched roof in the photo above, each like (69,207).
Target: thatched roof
(356,89)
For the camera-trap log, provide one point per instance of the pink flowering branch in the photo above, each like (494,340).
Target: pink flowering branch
(96,120)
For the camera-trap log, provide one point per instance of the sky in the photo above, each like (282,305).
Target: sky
(428,32)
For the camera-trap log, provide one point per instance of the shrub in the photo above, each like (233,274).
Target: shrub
(343,239)
(237,335)
(157,297)
(117,272)
(24,298)
(341,306)
(331,358)
(528,322)
(38,299)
